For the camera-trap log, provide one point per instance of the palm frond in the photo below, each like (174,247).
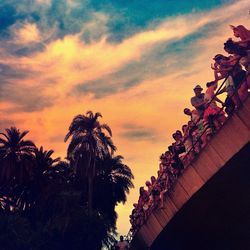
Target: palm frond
(97,114)
(27,143)
(107,128)
(21,135)
(90,114)
(3,141)
(5,136)
(75,142)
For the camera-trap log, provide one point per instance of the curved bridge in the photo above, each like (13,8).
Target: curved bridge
(209,206)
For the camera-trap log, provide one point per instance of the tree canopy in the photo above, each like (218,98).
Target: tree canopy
(61,204)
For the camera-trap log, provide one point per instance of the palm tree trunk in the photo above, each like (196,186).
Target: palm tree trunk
(90,184)
(90,195)
(91,181)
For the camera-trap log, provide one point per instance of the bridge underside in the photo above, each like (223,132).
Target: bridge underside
(217,216)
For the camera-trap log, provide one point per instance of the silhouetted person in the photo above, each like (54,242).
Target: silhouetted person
(122,244)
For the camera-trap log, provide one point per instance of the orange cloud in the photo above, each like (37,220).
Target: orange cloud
(28,33)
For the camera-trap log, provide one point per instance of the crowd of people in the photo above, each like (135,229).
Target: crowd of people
(206,118)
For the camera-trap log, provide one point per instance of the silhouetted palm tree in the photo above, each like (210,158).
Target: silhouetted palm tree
(16,165)
(88,142)
(44,161)
(62,173)
(113,181)
(50,175)
(15,155)
(38,185)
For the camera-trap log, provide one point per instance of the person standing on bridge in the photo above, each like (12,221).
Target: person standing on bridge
(214,117)
(243,34)
(198,101)
(122,244)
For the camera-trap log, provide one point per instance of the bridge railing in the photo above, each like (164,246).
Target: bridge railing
(133,230)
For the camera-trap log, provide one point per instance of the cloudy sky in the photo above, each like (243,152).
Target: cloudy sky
(135,61)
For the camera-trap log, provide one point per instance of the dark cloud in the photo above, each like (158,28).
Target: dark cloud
(138,135)
(68,20)
(14,89)
(8,72)
(127,77)
(135,132)
(132,74)
(151,65)
(27,50)
(161,60)
(12,47)
(104,87)
(25,98)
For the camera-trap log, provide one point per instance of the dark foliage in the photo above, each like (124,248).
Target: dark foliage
(45,201)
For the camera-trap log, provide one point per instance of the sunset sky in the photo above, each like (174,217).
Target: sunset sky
(134,61)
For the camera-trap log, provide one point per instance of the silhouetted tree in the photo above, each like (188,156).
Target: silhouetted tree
(44,161)
(113,181)
(41,196)
(15,156)
(16,166)
(88,142)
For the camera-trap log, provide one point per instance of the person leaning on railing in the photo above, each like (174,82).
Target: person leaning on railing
(222,69)
(188,143)
(152,196)
(196,127)
(197,101)
(176,163)
(213,116)
(178,148)
(239,75)
(191,134)
(243,34)
(166,167)
(143,203)
(164,183)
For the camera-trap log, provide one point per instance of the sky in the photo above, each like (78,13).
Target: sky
(136,62)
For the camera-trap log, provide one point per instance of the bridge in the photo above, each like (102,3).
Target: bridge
(209,205)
